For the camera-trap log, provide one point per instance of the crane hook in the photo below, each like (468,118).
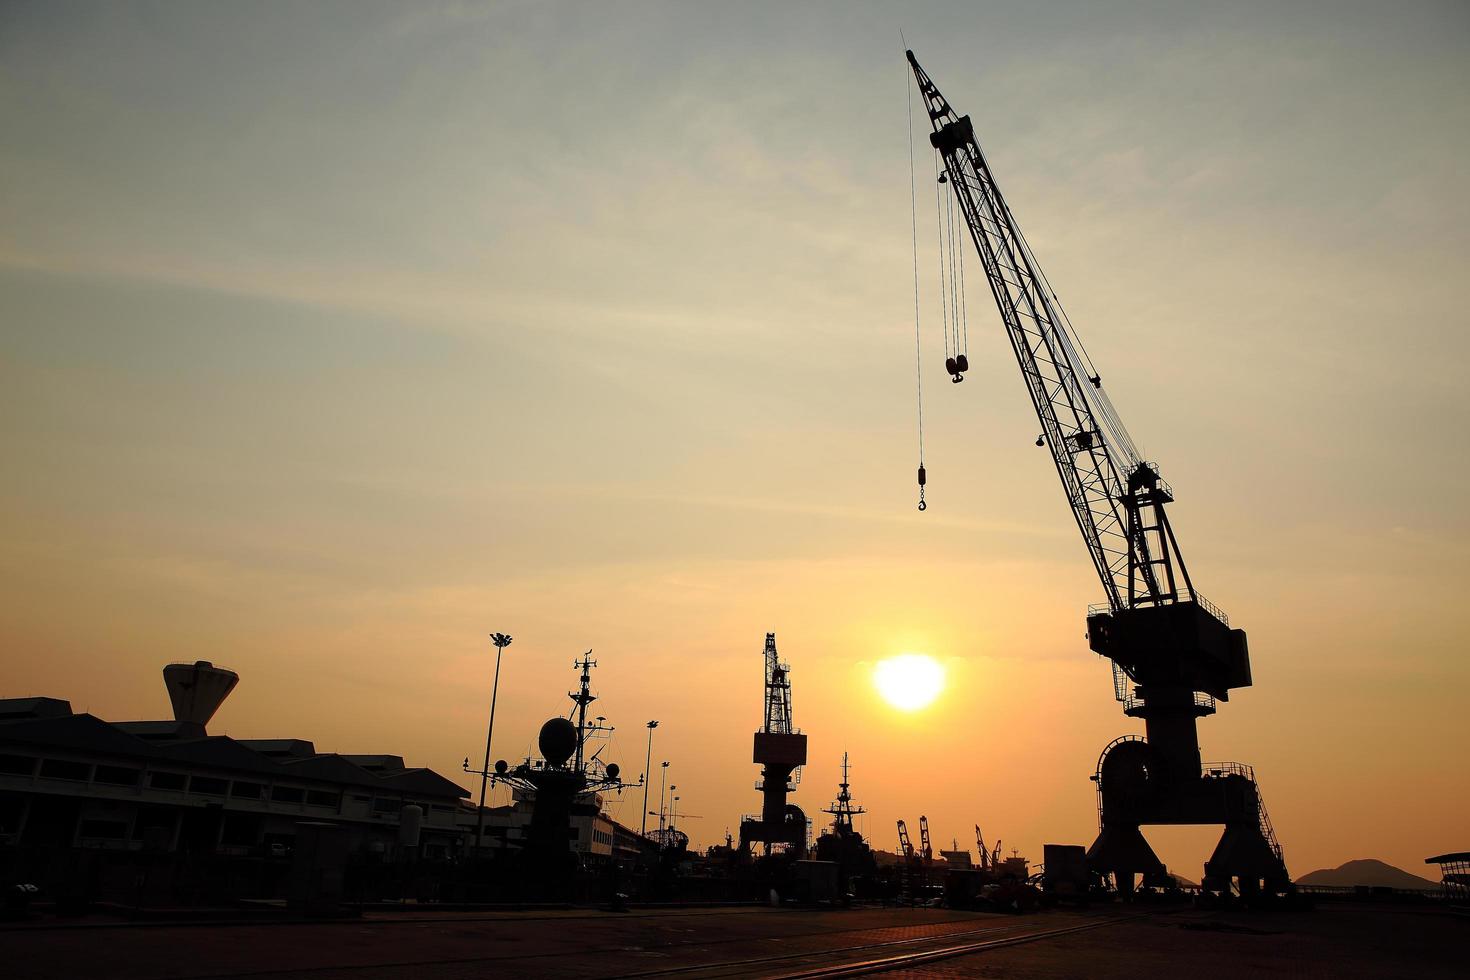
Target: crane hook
(923,478)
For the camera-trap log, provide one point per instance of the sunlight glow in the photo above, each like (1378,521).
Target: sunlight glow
(909,681)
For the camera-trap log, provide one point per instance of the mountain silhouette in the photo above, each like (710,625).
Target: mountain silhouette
(1366,871)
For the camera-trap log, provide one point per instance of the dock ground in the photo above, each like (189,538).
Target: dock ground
(1339,941)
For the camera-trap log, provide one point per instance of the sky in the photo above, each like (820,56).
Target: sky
(335,337)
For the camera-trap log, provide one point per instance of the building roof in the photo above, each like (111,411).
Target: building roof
(38,724)
(16,708)
(296,747)
(218,752)
(378,763)
(424,781)
(161,729)
(333,768)
(81,733)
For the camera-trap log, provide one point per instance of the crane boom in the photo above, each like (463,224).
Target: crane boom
(1116,498)
(1072,426)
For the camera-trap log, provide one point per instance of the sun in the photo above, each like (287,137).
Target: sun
(909,681)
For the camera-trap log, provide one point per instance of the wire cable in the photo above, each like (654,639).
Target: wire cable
(914,232)
(939,225)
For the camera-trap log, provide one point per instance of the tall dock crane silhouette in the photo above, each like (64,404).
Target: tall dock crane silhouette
(1174,654)
(780,750)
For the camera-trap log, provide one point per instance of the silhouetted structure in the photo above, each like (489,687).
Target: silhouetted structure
(563,782)
(842,844)
(1174,654)
(163,811)
(779,751)
(1454,874)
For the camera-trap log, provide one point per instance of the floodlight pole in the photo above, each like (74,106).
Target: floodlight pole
(648,778)
(501,641)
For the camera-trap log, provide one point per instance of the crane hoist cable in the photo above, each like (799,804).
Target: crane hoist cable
(943,285)
(962,326)
(951,243)
(914,230)
(1081,360)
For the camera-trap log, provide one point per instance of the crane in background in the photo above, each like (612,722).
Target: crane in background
(780,750)
(926,851)
(1174,653)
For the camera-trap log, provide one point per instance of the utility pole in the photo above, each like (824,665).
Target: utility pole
(501,641)
(648,777)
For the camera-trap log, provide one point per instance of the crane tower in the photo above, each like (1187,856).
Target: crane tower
(1174,654)
(779,751)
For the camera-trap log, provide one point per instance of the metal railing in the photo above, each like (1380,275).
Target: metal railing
(1217,770)
(1127,695)
(1097,608)
(1211,608)
(1097,776)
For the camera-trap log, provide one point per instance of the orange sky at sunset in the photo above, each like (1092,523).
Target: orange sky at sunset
(333,341)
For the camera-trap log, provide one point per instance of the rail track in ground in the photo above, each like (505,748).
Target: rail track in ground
(746,942)
(879,957)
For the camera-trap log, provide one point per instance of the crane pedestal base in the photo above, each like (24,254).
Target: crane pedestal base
(1244,854)
(1122,851)
(1138,787)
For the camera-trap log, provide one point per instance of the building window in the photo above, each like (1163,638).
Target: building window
(104,829)
(155,823)
(247,791)
(11,809)
(167,780)
(287,794)
(17,765)
(65,769)
(318,797)
(240,829)
(381,805)
(208,786)
(118,775)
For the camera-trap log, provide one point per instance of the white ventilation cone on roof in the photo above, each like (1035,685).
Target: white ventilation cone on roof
(198,689)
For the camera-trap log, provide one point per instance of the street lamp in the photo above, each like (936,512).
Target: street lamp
(501,641)
(646,780)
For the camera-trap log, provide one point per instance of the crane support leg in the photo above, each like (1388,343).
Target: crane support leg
(1139,783)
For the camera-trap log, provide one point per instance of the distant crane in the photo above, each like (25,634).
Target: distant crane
(925,850)
(905,846)
(780,751)
(1174,654)
(980,846)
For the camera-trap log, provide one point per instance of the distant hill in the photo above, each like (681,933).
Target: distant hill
(1374,874)
(1183,882)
